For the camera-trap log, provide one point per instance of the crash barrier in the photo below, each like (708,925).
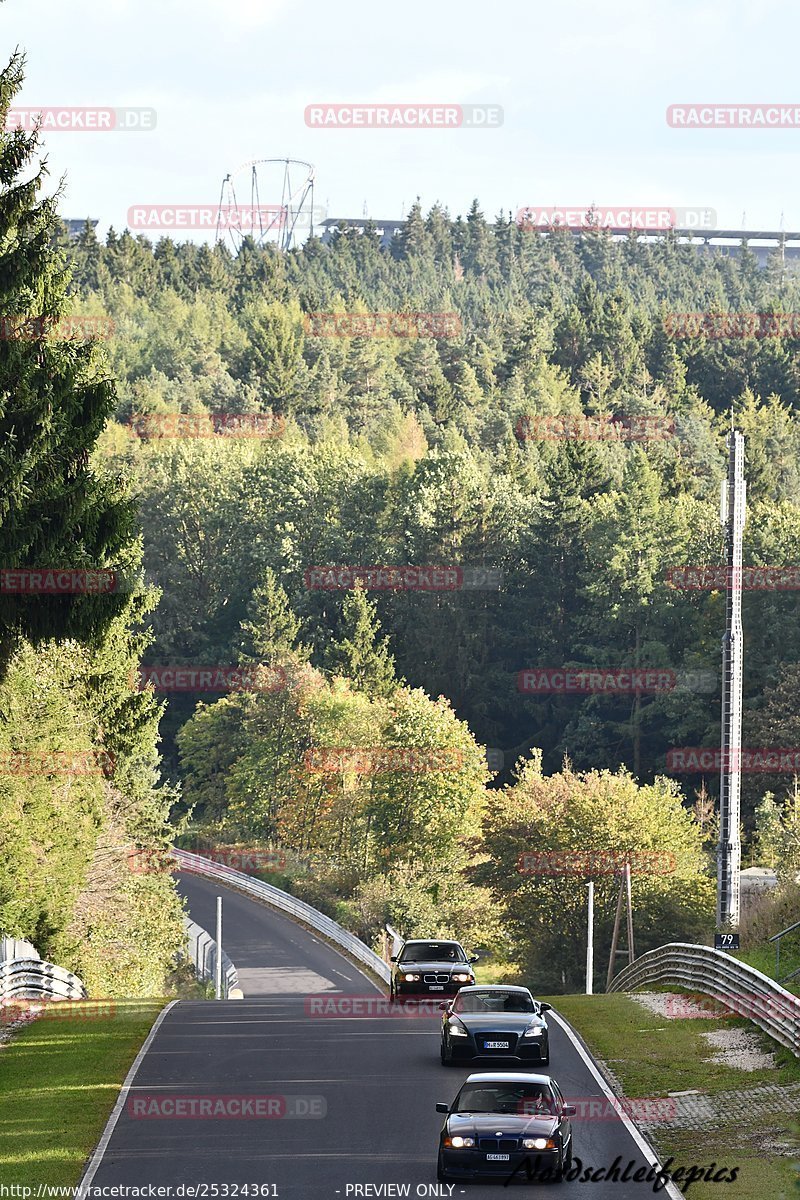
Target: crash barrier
(741,988)
(203,953)
(16,948)
(395,938)
(31,978)
(289,904)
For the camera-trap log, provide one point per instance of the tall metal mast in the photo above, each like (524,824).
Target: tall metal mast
(729,849)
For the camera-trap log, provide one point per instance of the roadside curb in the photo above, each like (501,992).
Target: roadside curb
(101,1147)
(641,1139)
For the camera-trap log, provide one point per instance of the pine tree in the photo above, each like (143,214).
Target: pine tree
(360,655)
(55,397)
(273,630)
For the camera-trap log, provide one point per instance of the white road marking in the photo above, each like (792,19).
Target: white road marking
(671,1189)
(116,1113)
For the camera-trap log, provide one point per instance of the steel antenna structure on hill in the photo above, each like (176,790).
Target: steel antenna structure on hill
(729,849)
(268,200)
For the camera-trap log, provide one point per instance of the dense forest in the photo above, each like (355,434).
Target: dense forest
(552,455)
(427,451)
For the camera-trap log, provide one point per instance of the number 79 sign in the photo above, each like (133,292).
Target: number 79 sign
(726,941)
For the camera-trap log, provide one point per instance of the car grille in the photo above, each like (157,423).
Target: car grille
(511,1038)
(498,1145)
(436,978)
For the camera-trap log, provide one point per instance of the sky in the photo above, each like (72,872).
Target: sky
(584,90)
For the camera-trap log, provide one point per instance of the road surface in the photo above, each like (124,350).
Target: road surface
(355,1095)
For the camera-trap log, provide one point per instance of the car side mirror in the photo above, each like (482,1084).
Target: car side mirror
(474,958)
(443,1108)
(543,1007)
(393,958)
(569,1110)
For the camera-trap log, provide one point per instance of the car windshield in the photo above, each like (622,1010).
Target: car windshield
(493,1002)
(432,952)
(521,1099)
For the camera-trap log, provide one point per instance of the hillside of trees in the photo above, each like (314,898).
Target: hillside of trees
(392,451)
(384,451)
(417,451)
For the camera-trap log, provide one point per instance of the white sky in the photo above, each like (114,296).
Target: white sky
(584,87)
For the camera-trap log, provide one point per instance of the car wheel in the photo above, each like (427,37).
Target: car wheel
(566,1163)
(392,994)
(441,1174)
(445,1059)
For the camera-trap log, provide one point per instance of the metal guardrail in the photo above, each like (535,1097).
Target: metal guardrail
(31,978)
(203,953)
(16,948)
(743,989)
(396,938)
(289,904)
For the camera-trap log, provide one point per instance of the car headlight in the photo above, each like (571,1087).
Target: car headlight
(461,977)
(538,1144)
(456,1029)
(459,1142)
(533,1030)
(411,978)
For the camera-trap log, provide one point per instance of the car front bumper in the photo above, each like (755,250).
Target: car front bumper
(531,1054)
(403,988)
(473,1164)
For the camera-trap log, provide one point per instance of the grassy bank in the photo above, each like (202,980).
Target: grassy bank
(653,1056)
(59,1080)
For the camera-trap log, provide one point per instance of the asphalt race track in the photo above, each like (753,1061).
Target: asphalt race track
(357,1094)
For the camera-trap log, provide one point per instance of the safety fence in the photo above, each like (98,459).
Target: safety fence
(203,953)
(739,987)
(285,902)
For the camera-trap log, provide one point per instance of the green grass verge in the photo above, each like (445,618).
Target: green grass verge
(763,959)
(59,1080)
(652,1056)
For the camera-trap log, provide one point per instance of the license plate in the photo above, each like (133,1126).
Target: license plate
(436,987)
(495,1045)
(498,1158)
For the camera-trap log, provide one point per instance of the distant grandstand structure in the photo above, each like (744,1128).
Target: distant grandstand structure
(726,241)
(76,225)
(385,229)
